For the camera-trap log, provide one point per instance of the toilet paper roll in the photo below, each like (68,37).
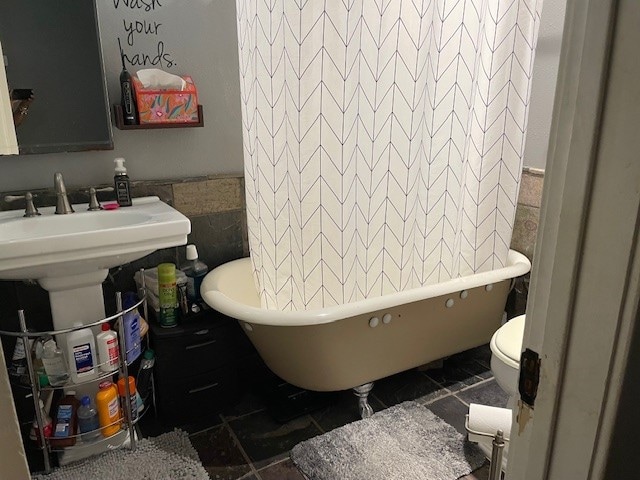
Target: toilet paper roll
(488,420)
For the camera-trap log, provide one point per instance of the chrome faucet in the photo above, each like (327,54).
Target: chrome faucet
(62,204)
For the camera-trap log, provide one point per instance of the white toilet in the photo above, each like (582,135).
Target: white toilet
(506,345)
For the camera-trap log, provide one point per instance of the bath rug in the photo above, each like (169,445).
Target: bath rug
(404,442)
(169,456)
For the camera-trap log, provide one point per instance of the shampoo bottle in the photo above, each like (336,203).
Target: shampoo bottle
(127,98)
(144,373)
(121,183)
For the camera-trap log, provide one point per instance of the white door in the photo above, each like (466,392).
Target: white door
(586,276)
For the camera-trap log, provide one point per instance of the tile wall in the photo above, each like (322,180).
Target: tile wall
(216,207)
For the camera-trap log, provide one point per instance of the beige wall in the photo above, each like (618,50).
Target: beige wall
(545,75)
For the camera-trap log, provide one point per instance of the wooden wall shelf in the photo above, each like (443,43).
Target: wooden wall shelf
(119,118)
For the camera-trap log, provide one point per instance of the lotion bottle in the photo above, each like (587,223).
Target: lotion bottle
(121,183)
(131,320)
(108,352)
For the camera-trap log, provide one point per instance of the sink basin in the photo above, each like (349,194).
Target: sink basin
(51,247)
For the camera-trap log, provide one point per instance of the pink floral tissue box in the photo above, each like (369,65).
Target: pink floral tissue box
(167,106)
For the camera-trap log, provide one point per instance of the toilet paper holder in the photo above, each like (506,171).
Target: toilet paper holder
(497,451)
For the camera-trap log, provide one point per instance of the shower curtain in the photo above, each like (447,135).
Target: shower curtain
(383,141)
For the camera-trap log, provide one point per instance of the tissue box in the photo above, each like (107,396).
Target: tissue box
(167,106)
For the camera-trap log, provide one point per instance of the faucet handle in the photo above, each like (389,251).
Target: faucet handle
(94,204)
(30,210)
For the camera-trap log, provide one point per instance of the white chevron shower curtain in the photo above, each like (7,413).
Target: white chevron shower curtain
(383,141)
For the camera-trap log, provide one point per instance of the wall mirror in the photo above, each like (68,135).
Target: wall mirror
(52,49)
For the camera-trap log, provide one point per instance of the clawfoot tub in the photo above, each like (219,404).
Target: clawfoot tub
(352,345)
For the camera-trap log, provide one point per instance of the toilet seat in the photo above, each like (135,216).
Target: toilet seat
(506,343)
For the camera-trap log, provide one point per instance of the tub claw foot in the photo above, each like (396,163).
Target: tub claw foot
(362,392)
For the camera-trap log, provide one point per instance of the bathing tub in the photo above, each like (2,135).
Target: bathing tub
(347,346)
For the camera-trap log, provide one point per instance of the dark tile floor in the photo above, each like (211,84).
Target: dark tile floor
(248,444)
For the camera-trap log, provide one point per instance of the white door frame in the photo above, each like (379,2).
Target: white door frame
(586,276)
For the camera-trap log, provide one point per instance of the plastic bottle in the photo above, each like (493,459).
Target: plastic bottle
(132,396)
(37,352)
(131,320)
(81,351)
(108,352)
(88,422)
(18,367)
(54,363)
(144,373)
(167,295)
(121,183)
(108,408)
(65,425)
(48,425)
(195,271)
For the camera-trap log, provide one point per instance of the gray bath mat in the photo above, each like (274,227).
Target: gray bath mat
(166,457)
(405,442)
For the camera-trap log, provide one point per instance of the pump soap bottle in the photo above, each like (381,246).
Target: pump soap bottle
(121,183)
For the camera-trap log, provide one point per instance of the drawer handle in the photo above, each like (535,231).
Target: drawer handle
(198,345)
(201,389)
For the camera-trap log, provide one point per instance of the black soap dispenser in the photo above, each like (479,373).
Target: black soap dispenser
(121,183)
(127,100)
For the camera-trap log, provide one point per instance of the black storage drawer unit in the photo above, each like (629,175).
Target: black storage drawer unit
(188,400)
(196,366)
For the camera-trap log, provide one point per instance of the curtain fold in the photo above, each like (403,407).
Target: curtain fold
(383,141)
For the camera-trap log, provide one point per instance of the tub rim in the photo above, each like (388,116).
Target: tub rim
(212,291)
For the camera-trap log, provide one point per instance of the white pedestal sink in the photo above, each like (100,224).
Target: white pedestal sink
(70,255)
